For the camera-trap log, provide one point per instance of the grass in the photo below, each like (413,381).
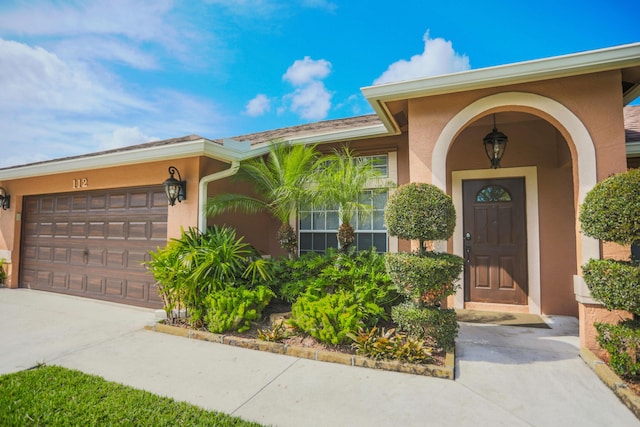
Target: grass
(55,396)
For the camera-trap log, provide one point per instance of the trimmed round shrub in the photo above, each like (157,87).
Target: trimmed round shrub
(425,279)
(616,284)
(611,210)
(419,211)
(439,326)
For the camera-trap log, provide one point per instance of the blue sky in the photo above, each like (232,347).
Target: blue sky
(84,76)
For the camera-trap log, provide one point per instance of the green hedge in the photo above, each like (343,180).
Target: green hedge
(438,325)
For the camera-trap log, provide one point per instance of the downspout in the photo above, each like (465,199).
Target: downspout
(203,187)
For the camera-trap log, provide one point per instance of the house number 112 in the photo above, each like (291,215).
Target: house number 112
(80,183)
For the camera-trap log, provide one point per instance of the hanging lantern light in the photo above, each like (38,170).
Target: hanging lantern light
(495,144)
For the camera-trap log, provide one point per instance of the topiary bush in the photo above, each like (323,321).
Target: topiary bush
(419,211)
(423,212)
(616,284)
(425,279)
(611,212)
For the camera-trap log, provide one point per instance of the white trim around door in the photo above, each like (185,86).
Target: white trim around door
(530,175)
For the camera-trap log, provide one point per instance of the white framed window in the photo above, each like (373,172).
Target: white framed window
(318,225)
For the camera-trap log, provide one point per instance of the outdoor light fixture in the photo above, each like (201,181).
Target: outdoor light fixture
(175,189)
(4,199)
(495,144)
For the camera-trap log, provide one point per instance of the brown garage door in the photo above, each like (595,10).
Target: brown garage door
(94,243)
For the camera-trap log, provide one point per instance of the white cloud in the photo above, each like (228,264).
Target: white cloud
(307,70)
(31,77)
(437,58)
(311,102)
(258,106)
(122,137)
(105,49)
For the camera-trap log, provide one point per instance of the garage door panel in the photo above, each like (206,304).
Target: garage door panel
(94,243)
(114,288)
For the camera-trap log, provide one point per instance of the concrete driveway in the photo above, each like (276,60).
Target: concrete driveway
(507,376)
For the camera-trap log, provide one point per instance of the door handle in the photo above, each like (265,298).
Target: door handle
(467,250)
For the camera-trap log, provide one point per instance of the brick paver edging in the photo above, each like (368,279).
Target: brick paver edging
(613,381)
(446,371)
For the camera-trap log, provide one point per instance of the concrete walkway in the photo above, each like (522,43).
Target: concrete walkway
(507,376)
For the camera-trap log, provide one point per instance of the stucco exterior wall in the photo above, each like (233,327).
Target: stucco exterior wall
(550,148)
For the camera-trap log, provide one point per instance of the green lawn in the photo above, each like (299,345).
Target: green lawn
(55,396)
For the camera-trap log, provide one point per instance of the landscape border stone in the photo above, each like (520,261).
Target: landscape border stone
(611,380)
(446,372)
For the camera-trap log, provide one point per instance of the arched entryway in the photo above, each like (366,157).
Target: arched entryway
(552,155)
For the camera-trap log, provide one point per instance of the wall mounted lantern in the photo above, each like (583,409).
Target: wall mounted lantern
(495,144)
(5,199)
(175,189)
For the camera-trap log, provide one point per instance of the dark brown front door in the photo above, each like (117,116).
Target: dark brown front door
(495,241)
(94,243)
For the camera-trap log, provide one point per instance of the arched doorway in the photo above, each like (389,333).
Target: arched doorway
(544,155)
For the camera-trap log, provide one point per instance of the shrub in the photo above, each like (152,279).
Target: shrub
(360,272)
(426,279)
(419,211)
(330,318)
(235,308)
(438,325)
(190,268)
(616,284)
(389,344)
(622,341)
(611,210)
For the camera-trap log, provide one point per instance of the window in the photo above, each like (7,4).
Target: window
(493,194)
(318,226)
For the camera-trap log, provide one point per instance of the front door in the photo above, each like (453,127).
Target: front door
(495,241)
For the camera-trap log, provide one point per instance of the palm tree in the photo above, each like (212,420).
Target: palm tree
(281,181)
(341,182)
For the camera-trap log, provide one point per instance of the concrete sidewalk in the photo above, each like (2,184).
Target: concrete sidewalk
(506,376)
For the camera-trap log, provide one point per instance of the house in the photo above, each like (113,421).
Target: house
(83,225)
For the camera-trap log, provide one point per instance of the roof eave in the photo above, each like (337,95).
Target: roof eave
(122,158)
(542,69)
(199,147)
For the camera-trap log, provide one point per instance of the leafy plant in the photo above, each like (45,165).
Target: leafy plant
(3,273)
(389,344)
(329,318)
(275,334)
(436,324)
(281,181)
(622,342)
(192,267)
(235,308)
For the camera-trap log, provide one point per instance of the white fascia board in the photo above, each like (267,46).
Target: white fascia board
(122,158)
(633,149)
(522,72)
